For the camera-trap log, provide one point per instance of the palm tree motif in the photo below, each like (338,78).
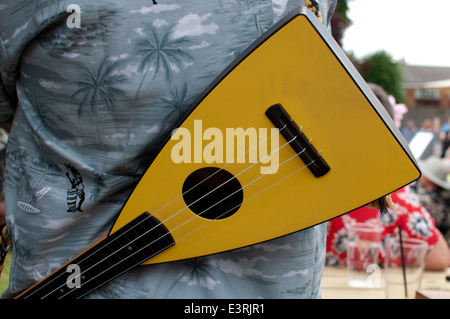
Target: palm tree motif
(44,116)
(160,50)
(161,53)
(196,272)
(178,103)
(100,86)
(99,183)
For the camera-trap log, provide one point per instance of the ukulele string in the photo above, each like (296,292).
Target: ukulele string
(257,194)
(222,168)
(146,258)
(230,179)
(162,222)
(156,253)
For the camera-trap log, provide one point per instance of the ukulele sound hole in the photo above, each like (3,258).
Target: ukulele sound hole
(212,193)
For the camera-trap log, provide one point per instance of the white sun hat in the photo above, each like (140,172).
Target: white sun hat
(435,169)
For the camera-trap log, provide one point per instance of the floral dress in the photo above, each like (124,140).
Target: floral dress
(407,213)
(437,202)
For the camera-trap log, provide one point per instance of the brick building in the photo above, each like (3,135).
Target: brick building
(426,103)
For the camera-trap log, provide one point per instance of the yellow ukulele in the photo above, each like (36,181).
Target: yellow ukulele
(325,146)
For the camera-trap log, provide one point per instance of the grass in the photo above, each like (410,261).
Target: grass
(4,278)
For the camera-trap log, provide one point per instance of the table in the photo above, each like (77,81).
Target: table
(335,286)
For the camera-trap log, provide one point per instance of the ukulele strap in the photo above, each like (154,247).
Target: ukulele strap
(313,5)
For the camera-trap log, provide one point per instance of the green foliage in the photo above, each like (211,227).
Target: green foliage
(342,9)
(380,68)
(340,21)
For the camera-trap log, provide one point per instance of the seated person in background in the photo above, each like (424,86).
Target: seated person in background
(433,191)
(408,213)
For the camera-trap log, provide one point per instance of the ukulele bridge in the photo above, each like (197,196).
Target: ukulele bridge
(299,142)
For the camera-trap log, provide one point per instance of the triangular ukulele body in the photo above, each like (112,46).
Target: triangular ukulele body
(318,144)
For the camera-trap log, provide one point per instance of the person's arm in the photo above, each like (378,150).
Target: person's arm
(439,256)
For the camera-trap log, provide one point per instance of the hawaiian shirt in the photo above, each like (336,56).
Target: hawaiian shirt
(413,219)
(95,88)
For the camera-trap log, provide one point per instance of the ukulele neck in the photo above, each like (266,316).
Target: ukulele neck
(139,240)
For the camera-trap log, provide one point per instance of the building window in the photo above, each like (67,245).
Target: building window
(425,94)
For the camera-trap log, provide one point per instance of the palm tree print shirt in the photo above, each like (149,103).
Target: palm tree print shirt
(91,107)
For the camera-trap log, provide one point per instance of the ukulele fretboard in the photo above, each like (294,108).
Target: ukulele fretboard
(133,244)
